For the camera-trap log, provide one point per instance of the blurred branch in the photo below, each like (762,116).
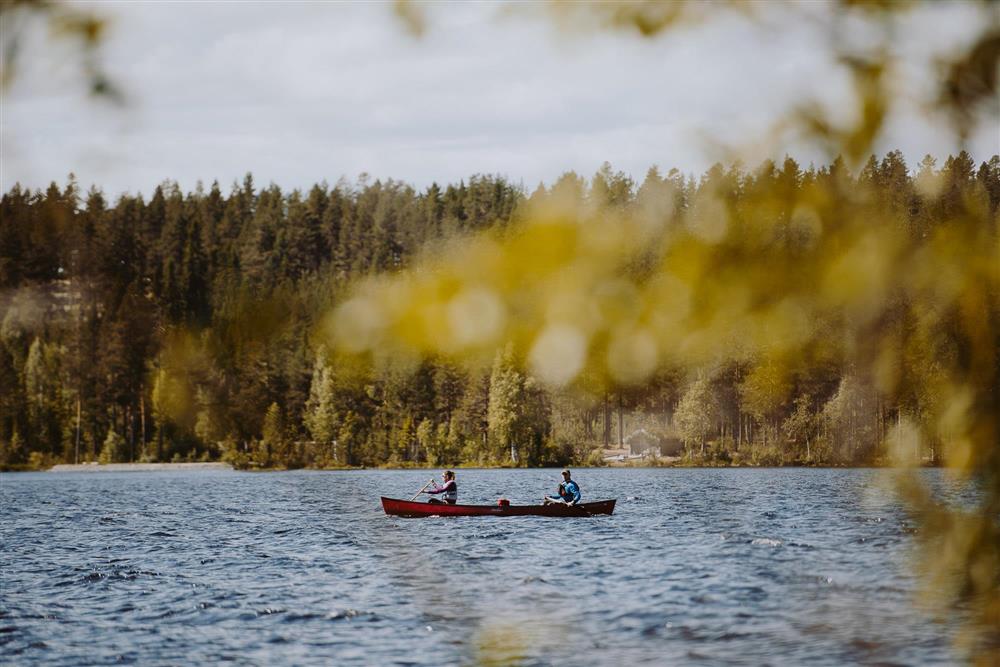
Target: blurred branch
(969,82)
(874,293)
(65,22)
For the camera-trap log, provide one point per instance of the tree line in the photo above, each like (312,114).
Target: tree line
(189,326)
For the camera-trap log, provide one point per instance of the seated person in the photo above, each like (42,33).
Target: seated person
(449,492)
(569,492)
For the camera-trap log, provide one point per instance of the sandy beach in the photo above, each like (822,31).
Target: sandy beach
(138,467)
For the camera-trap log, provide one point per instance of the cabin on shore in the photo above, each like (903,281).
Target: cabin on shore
(642,443)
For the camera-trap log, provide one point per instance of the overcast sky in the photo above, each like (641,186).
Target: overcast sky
(304,92)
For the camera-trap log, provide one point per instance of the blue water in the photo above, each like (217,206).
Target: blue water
(715,566)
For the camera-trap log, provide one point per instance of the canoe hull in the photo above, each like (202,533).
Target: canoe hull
(406,508)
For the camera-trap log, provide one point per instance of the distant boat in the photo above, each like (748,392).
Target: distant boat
(410,509)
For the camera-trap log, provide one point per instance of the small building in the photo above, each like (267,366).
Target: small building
(643,443)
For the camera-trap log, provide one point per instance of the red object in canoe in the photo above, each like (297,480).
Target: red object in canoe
(394,507)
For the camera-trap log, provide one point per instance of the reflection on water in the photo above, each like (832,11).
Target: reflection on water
(717,566)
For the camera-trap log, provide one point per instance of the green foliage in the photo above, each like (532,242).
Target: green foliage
(766,454)
(174,373)
(113,450)
(806,303)
(426,438)
(518,413)
(274,439)
(176,322)
(506,406)
(696,413)
(11,450)
(845,419)
(762,317)
(765,391)
(721,451)
(802,426)
(595,459)
(872,294)
(320,412)
(39,461)
(232,453)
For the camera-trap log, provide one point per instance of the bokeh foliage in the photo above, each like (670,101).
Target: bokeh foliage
(71,24)
(782,276)
(767,273)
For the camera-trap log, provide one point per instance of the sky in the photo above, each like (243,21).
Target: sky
(304,92)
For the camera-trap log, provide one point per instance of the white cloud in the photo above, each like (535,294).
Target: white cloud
(301,92)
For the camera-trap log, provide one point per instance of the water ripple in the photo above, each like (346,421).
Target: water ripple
(697,566)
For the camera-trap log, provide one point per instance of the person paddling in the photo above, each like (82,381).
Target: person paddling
(569,491)
(449,492)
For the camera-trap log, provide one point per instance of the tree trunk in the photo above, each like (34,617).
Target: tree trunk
(607,422)
(142,418)
(77,461)
(130,431)
(739,413)
(621,432)
(94,438)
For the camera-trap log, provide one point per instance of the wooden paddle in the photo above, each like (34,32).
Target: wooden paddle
(421,490)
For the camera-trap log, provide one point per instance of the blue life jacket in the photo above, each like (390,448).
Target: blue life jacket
(569,491)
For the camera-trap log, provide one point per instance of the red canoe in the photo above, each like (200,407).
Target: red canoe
(394,507)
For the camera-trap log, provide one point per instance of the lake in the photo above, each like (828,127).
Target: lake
(696,566)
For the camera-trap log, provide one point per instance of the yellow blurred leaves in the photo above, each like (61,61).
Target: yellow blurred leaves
(182,362)
(646,17)
(709,220)
(356,324)
(859,278)
(632,355)
(776,270)
(476,317)
(558,354)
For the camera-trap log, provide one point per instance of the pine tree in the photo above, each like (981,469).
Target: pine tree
(274,437)
(41,384)
(696,413)
(320,410)
(518,412)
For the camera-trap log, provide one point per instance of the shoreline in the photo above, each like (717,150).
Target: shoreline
(136,467)
(218,466)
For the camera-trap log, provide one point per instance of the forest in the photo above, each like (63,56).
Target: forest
(195,326)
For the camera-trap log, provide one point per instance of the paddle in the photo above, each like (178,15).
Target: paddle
(421,490)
